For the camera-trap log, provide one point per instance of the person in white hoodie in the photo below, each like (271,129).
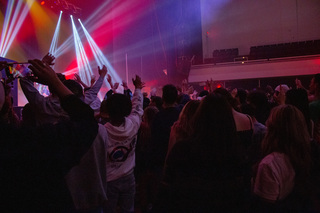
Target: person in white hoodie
(125,119)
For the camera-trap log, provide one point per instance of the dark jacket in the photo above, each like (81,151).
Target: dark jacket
(34,161)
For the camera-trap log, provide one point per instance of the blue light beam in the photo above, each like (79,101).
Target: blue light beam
(85,71)
(54,43)
(99,57)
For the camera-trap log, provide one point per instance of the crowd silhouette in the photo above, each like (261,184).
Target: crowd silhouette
(216,150)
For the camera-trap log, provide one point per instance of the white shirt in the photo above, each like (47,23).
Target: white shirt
(275,177)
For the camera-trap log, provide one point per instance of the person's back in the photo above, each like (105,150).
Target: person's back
(163,121)
(87,180)
(34,162)
(202,173)
(122,138)
(282,177)
(47,109)
(125,119)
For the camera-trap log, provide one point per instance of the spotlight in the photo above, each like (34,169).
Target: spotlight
(85,71)
(99,56)
(54,43)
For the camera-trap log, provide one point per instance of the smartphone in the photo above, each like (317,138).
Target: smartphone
(17,70)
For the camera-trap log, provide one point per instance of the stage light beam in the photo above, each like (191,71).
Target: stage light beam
(85,71)
(54,43)
(6,25)
(99,56)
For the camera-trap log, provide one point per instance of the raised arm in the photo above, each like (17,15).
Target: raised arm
(126,91)
(137,102)
(78,79)
(70,139)
(115,86)
(44,74)
(48,59)
(91,93)
(31,93)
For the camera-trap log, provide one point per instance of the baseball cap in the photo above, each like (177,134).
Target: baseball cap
(283,86)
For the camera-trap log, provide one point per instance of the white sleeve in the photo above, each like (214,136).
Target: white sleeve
(137,108)
(266,184)
(91,94)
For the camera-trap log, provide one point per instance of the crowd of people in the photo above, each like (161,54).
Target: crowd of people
(219,151)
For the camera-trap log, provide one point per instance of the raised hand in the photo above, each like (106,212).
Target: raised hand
(48,59)
(77,77)
(110,80)
(93,80)
(190,90)
(42,72)
(298,83)
(115,87)
(103,72)
(125,85)
(138,84)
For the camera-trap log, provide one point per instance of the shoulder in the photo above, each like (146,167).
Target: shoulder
(274,156)
(315,103)
(242,121)
(277,162)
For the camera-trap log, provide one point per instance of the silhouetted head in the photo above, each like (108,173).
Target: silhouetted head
(213,120)
(299,99)
(74,87)
(156,101)
(117,106)
(169,94)
(227,95)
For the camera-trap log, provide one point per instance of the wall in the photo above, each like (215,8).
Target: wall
(245,23)
(256,69)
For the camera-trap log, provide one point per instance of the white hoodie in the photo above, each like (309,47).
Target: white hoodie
(122,141)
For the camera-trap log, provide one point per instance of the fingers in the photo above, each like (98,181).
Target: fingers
(36,65)
(33,78)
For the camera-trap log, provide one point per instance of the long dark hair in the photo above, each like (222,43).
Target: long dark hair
(214,129)
(184,128)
